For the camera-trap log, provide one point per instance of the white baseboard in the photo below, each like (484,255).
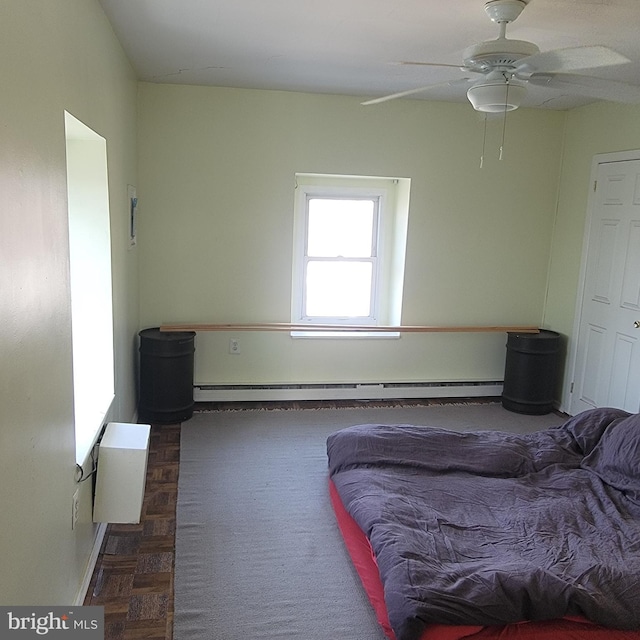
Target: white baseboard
(350,391)
(101,529)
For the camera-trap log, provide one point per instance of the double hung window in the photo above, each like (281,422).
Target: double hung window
(350,237)
(340,265)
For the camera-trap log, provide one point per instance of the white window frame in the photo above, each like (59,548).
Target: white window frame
(354,194)
(388,254)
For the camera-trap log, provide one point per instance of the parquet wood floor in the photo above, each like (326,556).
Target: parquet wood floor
(133,577)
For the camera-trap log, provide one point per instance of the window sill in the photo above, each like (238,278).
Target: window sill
(91,414)
(377,335)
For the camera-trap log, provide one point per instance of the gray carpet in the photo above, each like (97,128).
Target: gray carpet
(258,552)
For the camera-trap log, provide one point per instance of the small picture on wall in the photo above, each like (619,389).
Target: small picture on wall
(133,212)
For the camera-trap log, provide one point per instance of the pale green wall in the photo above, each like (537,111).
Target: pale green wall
(216,218)
(55,56)
(591,130)
(216,185)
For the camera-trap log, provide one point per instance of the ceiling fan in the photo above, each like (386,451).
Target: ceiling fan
(507,66)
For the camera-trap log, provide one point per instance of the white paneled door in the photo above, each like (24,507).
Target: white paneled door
(607,365)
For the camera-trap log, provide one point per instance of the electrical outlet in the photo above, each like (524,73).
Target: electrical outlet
(234,346)
(75,508)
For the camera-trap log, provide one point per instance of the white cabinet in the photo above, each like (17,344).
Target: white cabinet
(122,470)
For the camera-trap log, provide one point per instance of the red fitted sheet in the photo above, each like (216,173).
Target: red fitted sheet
(365,564)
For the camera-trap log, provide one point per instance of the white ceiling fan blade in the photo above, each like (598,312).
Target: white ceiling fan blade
(431,64)
(570,59)
(409,92)
(591,87)
(393,96)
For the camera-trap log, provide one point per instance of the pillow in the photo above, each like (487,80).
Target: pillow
(616,457)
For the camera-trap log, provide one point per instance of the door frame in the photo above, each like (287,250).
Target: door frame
(598,159)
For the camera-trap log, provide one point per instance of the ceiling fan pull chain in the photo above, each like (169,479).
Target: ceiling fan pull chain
(484,140)
(504,119)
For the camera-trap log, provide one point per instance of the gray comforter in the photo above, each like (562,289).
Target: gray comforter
(492,528)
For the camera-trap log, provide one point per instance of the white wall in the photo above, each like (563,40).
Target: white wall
(217,177)
(56,56)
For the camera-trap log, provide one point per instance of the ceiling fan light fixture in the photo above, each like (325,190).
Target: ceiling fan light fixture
(496,96)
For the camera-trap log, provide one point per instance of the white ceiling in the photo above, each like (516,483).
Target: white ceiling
(352,47)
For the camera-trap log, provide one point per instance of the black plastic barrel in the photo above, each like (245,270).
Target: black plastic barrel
(531,372)
(166,376)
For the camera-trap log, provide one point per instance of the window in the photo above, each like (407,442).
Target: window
(349,250)
(340,262)
(90,275)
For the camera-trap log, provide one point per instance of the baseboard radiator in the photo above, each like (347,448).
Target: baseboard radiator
(348,391)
